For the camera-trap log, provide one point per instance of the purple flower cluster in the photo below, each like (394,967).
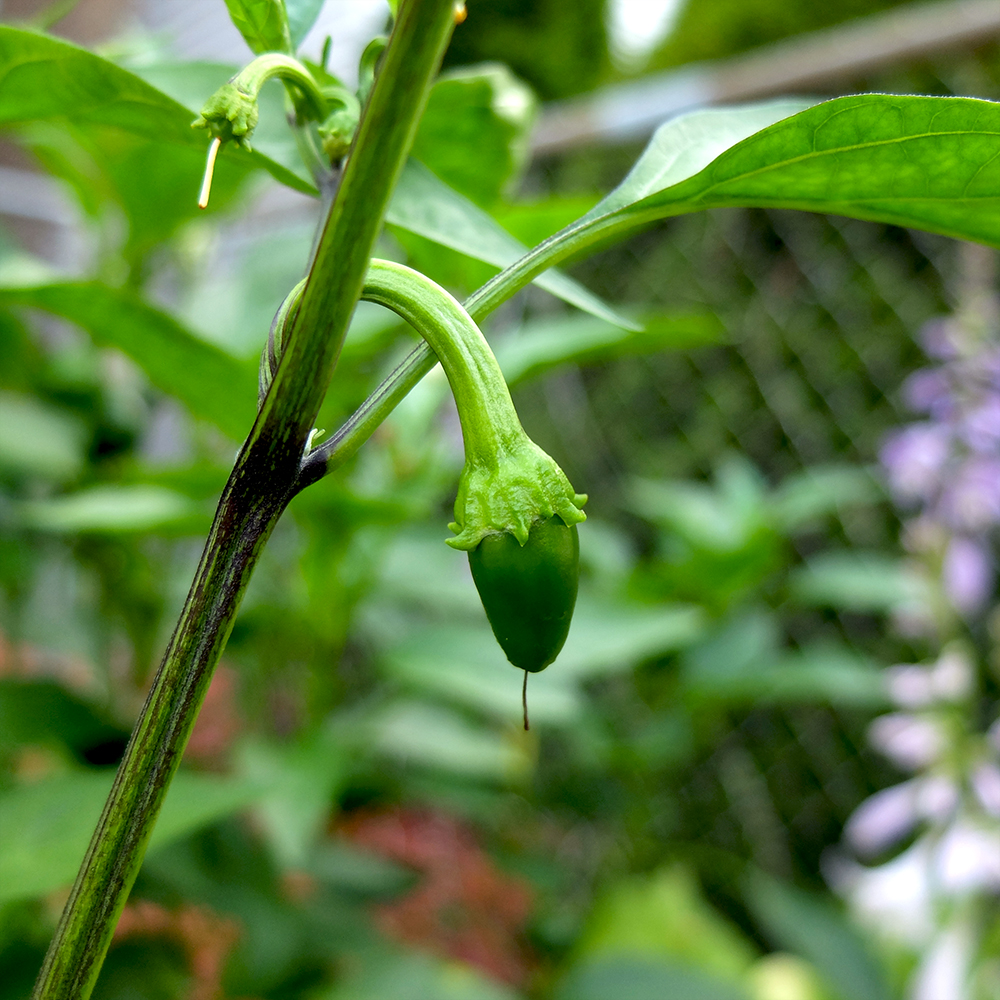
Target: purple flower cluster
(948,466)
(950,813)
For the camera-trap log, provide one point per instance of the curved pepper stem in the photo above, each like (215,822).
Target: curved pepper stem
(508,482)
(231,113)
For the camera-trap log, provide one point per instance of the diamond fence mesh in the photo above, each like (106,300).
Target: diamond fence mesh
(823,316)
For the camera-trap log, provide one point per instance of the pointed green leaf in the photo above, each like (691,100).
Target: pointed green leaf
(262,23)
(818,673)
(547,344)
(42,712)
(928,162)
(435,737)
(641,978)
(814,928)
(210,382)
(303,777)
(302,16)
(399,974)
(45,827)
(663,915)
(865,582)
(47,79)
(821,490)
(462,665)
(474,131)
(39,439)
(425,205)
(687,144)
(110,509)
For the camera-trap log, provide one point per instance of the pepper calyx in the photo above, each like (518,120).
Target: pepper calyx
(230,114)
(523,485)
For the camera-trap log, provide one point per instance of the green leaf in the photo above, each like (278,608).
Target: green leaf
(357,872)
(434,737)
(475,129)
(704,517)
(815,929)
(210,382)
(609,637)
(817,674)
(413,975)
(304,777)
(643,979)
(43,712)
(262,23)
(743,661)
(819,491)
(45,827)
(39,440)
(684,146)
(466,667)
(425,205)
(47,79)
(927,162)
(110,510)
(302,16)
(664,916)
(541,346)
(859,581)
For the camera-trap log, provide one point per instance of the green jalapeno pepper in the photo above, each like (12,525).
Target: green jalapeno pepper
(529,590)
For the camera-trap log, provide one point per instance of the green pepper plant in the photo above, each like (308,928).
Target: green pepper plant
(924,162)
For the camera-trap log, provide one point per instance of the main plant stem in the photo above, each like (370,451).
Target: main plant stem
(265,477)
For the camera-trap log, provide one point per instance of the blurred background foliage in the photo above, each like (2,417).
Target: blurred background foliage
(359,814)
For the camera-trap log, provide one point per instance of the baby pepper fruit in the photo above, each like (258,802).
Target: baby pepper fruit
(529,589)
(515,510)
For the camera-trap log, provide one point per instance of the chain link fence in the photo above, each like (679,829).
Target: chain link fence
(823,318)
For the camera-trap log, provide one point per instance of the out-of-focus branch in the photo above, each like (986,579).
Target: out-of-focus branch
(821,61)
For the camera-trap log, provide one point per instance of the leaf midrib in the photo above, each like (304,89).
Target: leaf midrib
(816,154)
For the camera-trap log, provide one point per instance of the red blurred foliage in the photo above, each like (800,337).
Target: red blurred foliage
(22,661)
(206,938)
(218,722)
(464,907)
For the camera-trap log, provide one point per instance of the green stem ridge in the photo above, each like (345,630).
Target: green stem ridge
(264,478)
